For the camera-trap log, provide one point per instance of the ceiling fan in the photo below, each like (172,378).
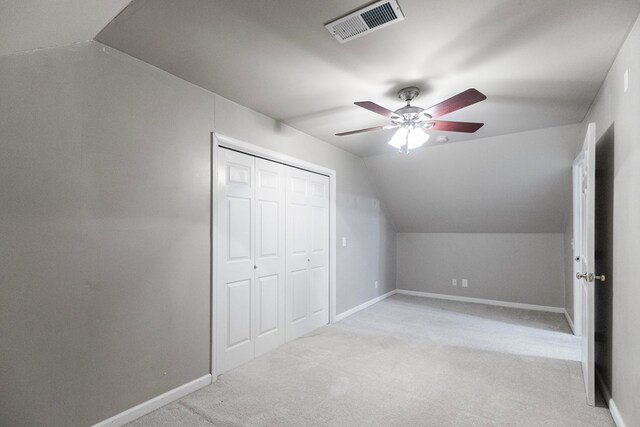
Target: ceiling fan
(412,121)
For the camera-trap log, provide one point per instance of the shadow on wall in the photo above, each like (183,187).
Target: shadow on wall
(370,248)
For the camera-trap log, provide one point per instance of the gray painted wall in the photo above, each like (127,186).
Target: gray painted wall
(104,221)
(521,268)
(371,246)
(613,106)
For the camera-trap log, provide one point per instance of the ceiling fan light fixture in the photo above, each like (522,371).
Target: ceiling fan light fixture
(409,137)
(413,122)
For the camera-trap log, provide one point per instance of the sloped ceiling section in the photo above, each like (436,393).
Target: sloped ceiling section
(517,183)
(34,24)
(539,62)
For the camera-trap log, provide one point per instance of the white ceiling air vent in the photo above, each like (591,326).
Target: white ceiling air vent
(371,18)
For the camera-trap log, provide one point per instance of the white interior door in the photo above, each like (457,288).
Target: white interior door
(235,267)
(577,244)
(307,305)
(587,253)
(269,319)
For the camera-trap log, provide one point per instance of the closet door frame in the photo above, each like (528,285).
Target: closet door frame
(219,140)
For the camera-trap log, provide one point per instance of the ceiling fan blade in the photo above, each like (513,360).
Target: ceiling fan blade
(366,130)
(372,106)
(457,102)
(445,126)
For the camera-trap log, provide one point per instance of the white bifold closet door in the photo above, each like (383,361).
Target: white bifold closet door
(272,275)
(307,247)
(251,258)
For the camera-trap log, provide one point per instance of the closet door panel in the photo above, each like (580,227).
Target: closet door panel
(307,252)
(319,218)
(239,228)
(297,264)
(298,235)
(299,295)
(269,255)
(235,275)
(268,305)
(239,313)
(319,291)
(319,251)
(268,228)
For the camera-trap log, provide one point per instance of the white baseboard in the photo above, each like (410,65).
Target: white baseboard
(606,394)
(482,301)
(151,405)
(615,414)
(362,306)
(569,321)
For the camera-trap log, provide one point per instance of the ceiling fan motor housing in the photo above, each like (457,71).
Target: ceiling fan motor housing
(409,116)
(408,93)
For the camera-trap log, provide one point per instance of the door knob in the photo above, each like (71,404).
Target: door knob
(581,276)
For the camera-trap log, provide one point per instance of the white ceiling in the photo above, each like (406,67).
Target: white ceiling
(33,24)
(539,62)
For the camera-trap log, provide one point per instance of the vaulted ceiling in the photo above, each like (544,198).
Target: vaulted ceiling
(539,62)
(34,24)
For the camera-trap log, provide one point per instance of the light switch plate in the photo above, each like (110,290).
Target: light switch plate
(344,242)
(626,80)
(465,283)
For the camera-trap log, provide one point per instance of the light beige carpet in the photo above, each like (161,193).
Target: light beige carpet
(406,361)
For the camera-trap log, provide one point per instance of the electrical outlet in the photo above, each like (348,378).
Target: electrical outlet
(376,284)
(465,283)
(454,282)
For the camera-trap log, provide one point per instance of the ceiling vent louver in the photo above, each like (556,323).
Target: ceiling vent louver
(371,18)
